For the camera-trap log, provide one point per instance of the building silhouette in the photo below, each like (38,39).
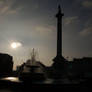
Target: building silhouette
(80,68)
(6,65)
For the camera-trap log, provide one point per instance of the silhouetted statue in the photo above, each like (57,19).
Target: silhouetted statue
(6,64)
(59,61)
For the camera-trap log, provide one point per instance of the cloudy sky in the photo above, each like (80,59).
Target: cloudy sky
(33,24)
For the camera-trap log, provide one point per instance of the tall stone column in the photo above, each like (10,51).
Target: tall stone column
(59,16)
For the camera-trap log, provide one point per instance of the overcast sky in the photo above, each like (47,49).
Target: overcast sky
(33,24)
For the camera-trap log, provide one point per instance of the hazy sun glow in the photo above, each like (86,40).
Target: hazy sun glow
(15,45)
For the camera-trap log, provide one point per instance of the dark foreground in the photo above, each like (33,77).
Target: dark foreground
(8,86)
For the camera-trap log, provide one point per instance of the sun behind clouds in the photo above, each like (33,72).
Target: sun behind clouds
(15,45)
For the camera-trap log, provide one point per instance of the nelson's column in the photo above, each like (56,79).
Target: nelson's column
(59,60)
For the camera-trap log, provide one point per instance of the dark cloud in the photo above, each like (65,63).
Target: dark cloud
(70,20)
(86,32)
(87,4)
